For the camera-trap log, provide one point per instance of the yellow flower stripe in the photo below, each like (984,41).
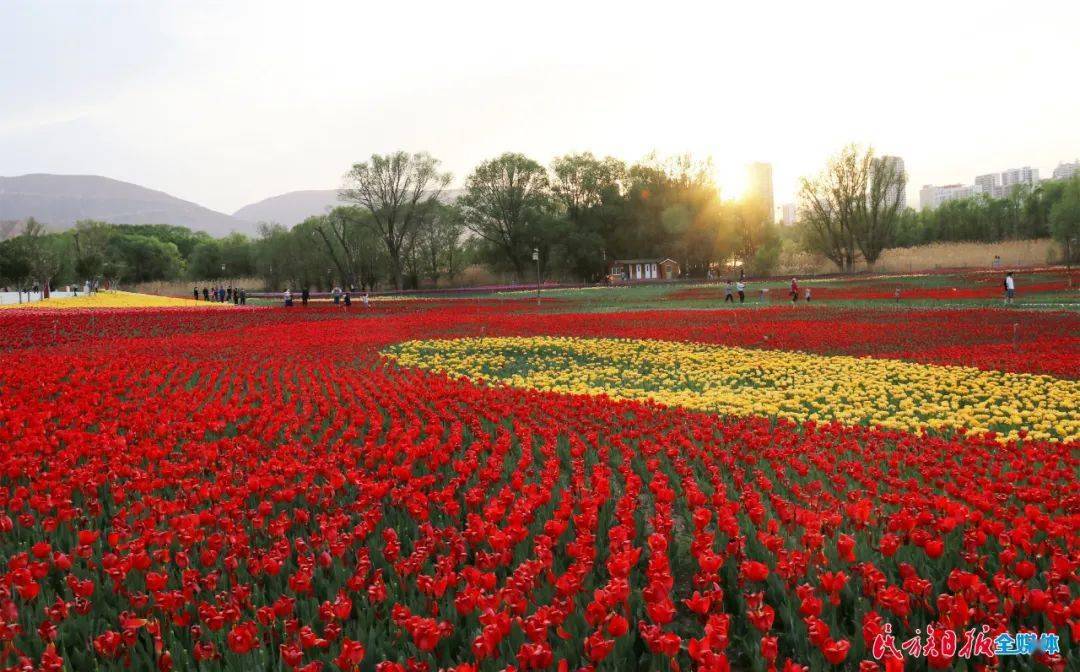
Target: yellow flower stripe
(741,381)
(115,299)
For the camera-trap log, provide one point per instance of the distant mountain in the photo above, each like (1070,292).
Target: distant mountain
(290,208)
(295,206)
(61,200)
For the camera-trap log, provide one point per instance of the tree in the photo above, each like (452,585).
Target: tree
(42,257)
(141,258)
(877,218)
(237,253)
(672,208)
(1065,220)
(437,246)
(91,247)
(398,190)
(832,202)
(339,232)
(581,182)
(205,261)
(508,205)
(14,263)
(589,192)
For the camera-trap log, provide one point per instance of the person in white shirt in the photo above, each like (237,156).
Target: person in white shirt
(1010,288)
(740,287)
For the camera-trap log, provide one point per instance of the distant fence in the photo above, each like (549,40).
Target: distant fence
(444,291)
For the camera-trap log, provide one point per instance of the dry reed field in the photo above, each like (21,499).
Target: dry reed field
(1013,253)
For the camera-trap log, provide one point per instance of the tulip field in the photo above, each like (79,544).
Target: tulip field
(484,484)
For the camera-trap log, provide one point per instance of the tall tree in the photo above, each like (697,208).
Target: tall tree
(91,246)
(581,181)
(42,257)
(437,246)
(339,231)
(1065,221)
(589,192)
(507,203)
(878,216)
(830,205)
(398,190)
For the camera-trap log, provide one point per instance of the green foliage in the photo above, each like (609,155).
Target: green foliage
(1065,220)
(1025,213)
(508,205)
(14,263)
(852,208)
(185,239)
(399,192)
(139,258)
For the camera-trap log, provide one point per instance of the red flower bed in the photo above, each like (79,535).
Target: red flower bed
(260,490)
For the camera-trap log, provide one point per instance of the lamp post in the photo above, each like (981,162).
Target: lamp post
(536,258)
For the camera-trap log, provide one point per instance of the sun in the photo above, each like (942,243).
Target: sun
(731,180)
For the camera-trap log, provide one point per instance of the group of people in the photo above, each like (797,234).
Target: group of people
(338,295)
(731,289)
(219,294)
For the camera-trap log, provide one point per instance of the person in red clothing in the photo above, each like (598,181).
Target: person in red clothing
(794,290)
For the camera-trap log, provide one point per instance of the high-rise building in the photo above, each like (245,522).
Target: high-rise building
(759,185)
(988,182)
(1065,171)
(1014,176)
(899,192)
(932,196)
(787,214)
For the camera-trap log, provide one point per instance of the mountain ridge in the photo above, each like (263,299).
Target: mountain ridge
(291,207)
(61,200)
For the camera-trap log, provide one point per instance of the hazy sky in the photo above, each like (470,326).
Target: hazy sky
(229,103)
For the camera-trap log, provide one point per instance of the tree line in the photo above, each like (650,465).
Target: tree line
(852,211)
(399,226)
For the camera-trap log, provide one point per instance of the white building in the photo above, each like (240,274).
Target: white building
(1065,171)
(932,196)
(1014,176)
(898,165)
(787,214)
(988,182)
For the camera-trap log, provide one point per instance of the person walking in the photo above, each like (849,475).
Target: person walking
(794,291)
(808,295)
(348,299)
(236,297)
(288,298)
(305,294)
(365,300)
(763,297)
(195,293)
(729,292)
(740,287)
(206,294)
(1010,288)
(243,297)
